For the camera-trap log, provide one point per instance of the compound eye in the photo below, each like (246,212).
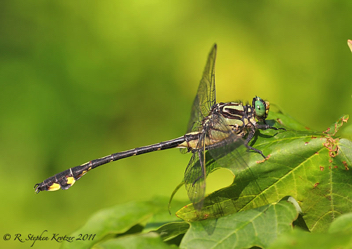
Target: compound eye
(259,108)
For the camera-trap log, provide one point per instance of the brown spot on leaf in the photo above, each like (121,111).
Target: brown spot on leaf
(327,130)
(331,145)
(346,165)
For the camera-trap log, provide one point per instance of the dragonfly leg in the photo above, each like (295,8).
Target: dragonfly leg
(248,139)
(251,133)
(265,126)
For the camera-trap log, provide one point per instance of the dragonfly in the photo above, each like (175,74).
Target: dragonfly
(215,127)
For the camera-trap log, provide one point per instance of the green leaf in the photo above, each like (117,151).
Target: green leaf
(309,166)
(116,221)
(339,236)
(148,240)
(255,227)
(333,129)
(172,230)
(299,239)
(343,223)
(286,120)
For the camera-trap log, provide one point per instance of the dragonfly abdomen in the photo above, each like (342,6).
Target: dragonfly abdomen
(67,178)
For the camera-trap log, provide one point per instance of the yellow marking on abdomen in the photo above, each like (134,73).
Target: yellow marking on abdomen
(192,144)
(71,180)
(84,172)
(54,187)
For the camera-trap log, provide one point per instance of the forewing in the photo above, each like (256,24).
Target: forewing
(205,97)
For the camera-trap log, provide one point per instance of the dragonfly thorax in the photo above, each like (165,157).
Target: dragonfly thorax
(242,118)
(238,117)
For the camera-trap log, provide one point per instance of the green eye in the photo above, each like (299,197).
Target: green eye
(259,107)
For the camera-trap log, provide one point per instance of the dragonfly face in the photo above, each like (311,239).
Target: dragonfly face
(261,108)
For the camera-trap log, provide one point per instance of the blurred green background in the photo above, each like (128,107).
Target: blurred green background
(83,79)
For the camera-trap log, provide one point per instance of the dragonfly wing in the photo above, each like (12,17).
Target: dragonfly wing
(195,175)
(205,97)
(226,154)
(227,143)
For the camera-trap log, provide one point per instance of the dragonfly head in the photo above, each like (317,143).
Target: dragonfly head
(261,108)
